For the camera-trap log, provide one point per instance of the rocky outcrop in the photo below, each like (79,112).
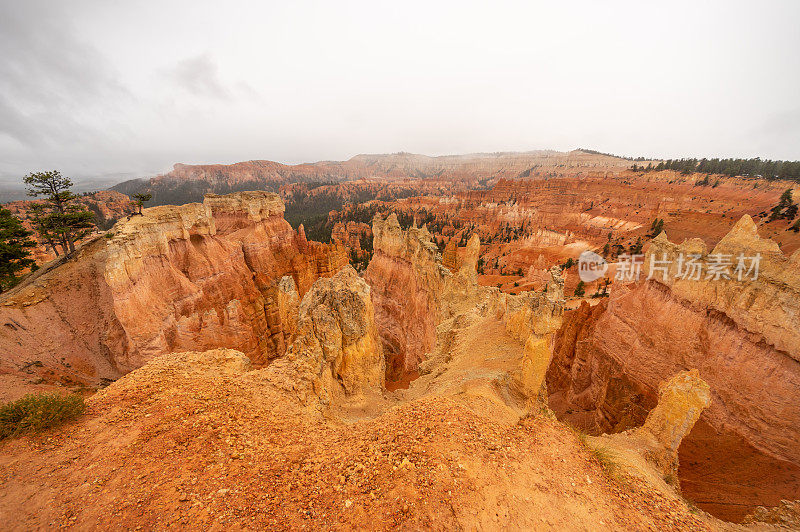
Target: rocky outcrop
(785,516)
(461,292)
(193,277)
(739,335)
(532,318)
(337,350)
(681,400)
(288,304)
(413,291)
(768,305)
(407,281)
(536,313)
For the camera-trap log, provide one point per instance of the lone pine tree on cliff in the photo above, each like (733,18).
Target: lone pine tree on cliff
(59,220)
(15,249)
(141,198)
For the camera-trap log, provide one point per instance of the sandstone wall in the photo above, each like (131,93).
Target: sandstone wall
(193,277)
(413,291)
(406,281)
(336,350)
(741,336)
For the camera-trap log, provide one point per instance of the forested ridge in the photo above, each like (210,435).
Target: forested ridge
(758,168)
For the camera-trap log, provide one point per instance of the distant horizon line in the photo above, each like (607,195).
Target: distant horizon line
(127,176)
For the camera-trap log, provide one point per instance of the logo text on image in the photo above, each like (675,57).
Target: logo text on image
(591,266)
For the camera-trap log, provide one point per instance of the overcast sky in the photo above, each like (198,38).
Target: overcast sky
(125,89)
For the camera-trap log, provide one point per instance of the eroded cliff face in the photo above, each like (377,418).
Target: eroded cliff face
(193,277)
(405,277)
(681,401)
(413,291)
(336,350)
(768,306)
(741,336)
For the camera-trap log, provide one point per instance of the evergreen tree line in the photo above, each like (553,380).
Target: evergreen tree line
(767,169)
(595,152)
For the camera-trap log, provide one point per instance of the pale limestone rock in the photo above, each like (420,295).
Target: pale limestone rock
(336,350)
(785,516)
(471,255)
(527,380)
(258,206)
(555,286)
(532,318)
(288,301)
(530,313)
(681,400)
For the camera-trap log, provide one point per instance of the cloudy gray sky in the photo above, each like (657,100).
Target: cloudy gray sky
(110,90)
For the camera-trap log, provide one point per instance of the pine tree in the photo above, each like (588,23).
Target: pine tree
(786,208)
(141,198)
(15,249)
(656,227)
(43,226)
(61,220)
(580,289)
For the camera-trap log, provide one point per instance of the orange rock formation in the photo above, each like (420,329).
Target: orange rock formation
(196,276)
(739,335)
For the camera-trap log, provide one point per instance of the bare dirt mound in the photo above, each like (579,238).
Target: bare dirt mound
(195,439)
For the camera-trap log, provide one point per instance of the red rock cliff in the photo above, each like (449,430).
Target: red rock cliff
(742,337)
(193,277)
(413,291)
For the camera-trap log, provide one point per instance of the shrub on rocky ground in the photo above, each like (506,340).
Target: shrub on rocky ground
(37,412)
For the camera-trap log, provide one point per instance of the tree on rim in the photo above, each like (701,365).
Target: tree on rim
(43,226)
(141,198)
(60,220)
(15,249)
